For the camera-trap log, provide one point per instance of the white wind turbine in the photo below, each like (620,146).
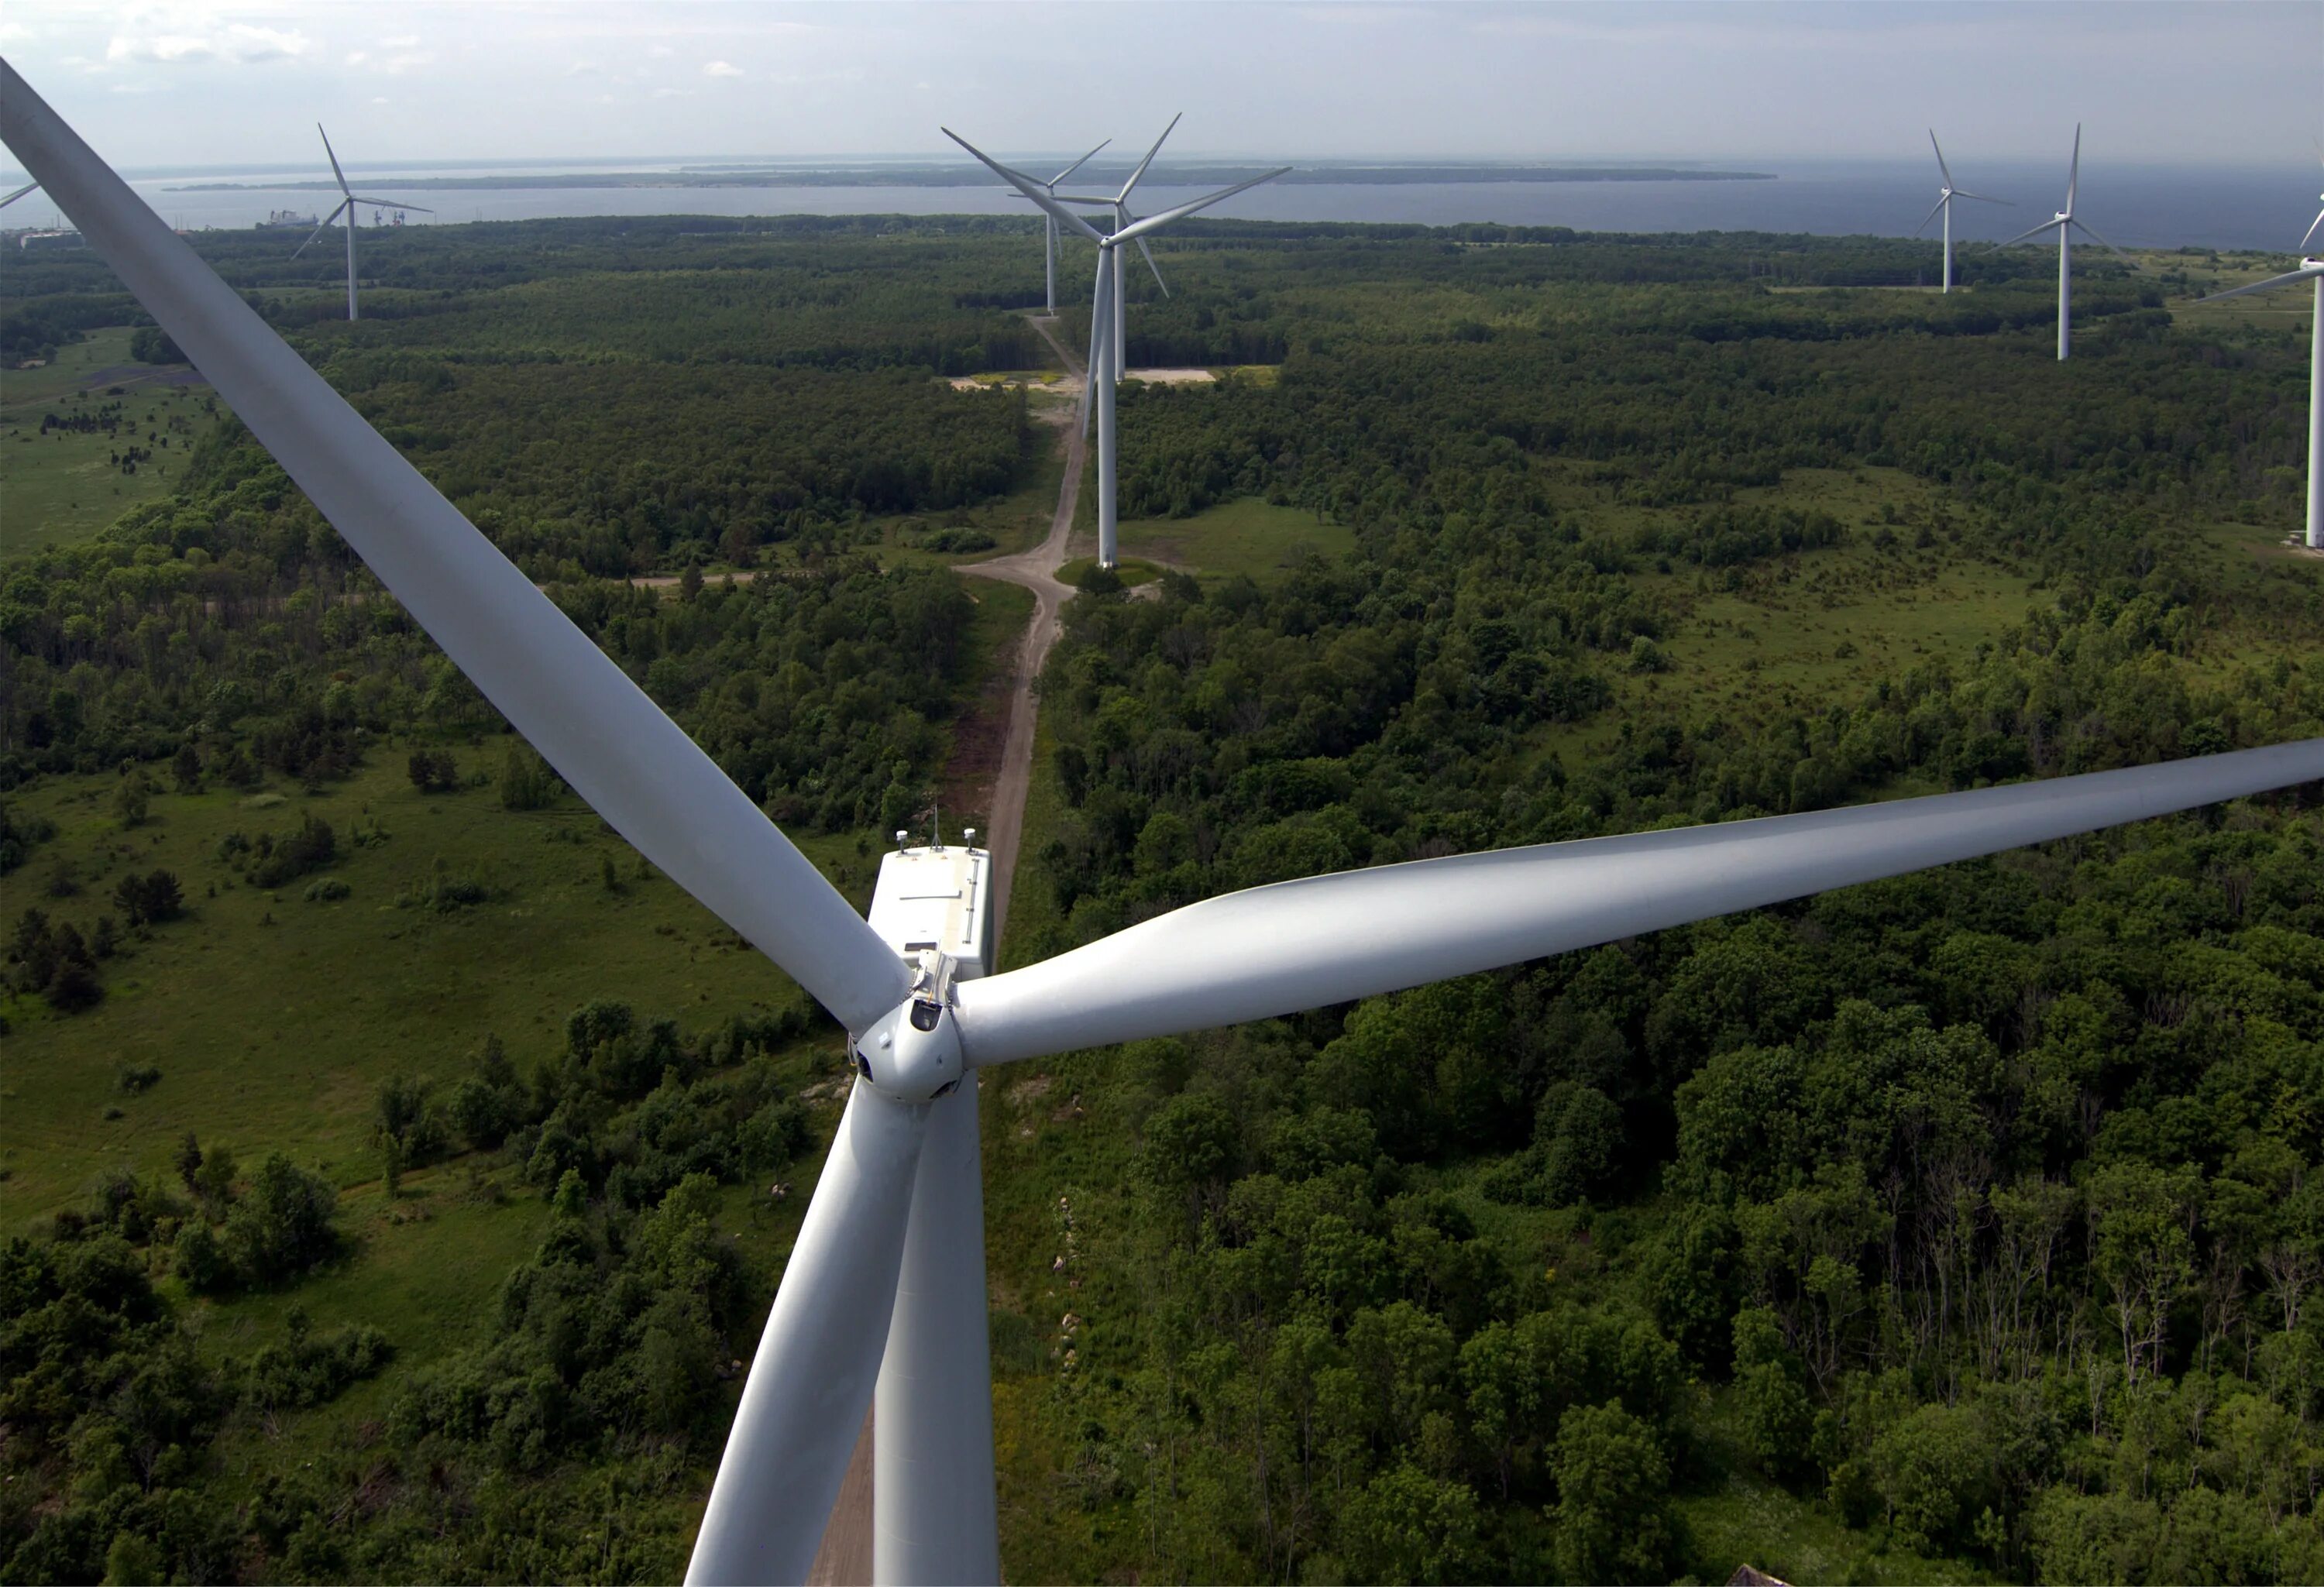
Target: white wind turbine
(1945,197)
(347,206)
(1122,220)
(1049,223)
(886,1282)
(2310,269)
(1105,322)
(2066,222)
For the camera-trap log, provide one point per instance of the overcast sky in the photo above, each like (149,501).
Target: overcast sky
(217,82)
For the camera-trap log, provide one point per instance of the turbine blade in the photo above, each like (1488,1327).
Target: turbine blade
(2028,232)
(1154,223)
(2074,171)
(2083,227)
(2319,221)
(1077,164)
(1025,185)
(1982,197)
(1327,939)
(335,160)
(818,1360)
(1156,269)
(394,204)
(19,193)
(1941,159)
(321,226)
(635,766)
(1934,208)
(2306,273)
(1123,197)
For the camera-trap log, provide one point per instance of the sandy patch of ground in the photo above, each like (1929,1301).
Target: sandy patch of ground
(985,383)
(1070,385)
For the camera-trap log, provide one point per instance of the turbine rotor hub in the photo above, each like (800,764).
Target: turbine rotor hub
(913,1052)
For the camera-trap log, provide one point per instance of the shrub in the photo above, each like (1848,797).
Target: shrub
(526,781)
(310,848)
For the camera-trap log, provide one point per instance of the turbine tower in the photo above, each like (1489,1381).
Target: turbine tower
(347,207)
(891,1244)
(2066,222)
(1945,197)
(2310,269)
(1122,220)
(1105,322)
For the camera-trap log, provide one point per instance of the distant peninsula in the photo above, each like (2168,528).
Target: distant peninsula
(955,176)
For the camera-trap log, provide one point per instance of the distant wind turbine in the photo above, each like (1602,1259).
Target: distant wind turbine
(1122,220)
(347,207)
(2066,222)
(1104,354)
(1945,197)
(2310,269)
(1049,223)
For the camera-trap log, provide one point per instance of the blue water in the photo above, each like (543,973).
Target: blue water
(2135,206)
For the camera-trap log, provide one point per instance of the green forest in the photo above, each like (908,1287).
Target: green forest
(1967,1225)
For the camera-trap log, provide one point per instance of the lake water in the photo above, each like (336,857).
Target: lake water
(2135,206)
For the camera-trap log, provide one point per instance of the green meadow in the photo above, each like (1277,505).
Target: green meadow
(62,486)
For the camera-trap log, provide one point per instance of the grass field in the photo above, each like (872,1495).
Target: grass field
(273,1019)
(1242,536)
(59,488)
(2286,308)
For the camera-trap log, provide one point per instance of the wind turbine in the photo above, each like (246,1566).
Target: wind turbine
(886,1282)
(1049,222)
(1945,197)
(2066,222)
(1105,321)
(1122,220)
(19,193)
(2310,269)
(347,207)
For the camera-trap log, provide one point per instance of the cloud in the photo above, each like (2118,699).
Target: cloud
(402,42)
(673,93)
(662,52)
(357,56)
(583,68)
(401,63)
(235,43)
(721,68)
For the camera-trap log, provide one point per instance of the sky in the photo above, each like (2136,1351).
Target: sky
(207,82)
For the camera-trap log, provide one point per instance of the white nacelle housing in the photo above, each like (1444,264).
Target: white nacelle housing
(936,898)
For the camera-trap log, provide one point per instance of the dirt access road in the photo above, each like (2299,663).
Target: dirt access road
(1035,570)
(844,1557)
